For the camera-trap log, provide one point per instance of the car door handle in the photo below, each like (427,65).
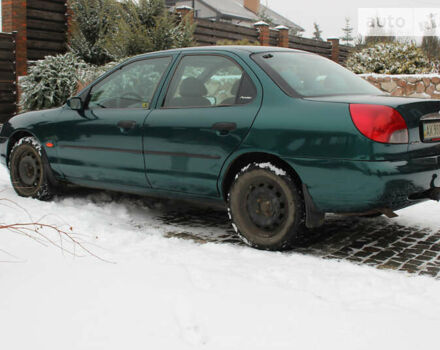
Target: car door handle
(224,128)
(126,124)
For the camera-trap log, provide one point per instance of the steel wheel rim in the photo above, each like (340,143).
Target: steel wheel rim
(28,171)
(266,206)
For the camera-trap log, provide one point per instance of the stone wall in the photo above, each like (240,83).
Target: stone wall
(422,86)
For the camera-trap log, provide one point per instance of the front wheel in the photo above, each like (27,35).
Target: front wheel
(29,170)
(266,207)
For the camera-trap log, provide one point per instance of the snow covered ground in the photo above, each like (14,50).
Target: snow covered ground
(169,293)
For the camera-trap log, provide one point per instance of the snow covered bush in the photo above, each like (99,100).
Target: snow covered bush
(51,81)
(104,33)
(107,30)
(92,29)
(390,58)
(146,26)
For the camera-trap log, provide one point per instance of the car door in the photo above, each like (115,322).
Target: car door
(103,143)
(202,117)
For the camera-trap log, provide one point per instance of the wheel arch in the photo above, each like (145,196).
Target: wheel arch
(247,158)
(14,137)
(314,218)
(18,135)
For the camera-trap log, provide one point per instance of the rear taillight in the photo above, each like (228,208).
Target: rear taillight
(379,123)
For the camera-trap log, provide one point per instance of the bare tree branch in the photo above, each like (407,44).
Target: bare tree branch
(39,232)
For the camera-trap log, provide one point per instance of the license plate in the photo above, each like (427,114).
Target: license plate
(431,131)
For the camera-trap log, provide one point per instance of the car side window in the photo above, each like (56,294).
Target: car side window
(209,81)
(132,86)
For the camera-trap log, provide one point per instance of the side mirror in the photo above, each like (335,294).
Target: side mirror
(75,103)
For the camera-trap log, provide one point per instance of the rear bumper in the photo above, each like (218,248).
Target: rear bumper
(344,186)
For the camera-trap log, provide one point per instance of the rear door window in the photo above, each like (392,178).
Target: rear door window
(209,81)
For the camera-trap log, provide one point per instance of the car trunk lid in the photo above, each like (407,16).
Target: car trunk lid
(422,117)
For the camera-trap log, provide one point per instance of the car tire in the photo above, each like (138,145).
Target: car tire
(266,208)
(30,172)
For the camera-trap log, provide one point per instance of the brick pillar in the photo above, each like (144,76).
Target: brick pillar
(283,36)
(69,21)
(14,19)
(186,13)
(264,33)
(335,49)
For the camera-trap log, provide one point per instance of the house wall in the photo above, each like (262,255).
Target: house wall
(204,11)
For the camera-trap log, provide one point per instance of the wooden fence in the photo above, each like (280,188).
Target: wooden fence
(344,53)
(8,81)
(319,47)
(46,28)
(209,33)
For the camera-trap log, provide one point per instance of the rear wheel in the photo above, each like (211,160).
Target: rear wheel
(266,208)
(29,170)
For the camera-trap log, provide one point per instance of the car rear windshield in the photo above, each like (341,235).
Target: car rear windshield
(308,75)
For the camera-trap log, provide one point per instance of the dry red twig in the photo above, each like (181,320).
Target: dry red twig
(39,232)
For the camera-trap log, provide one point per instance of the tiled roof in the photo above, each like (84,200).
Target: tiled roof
(279,19)
(235,8)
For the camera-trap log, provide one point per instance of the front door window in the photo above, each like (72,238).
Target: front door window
(132,86)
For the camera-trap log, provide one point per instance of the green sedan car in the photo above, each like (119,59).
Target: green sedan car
(280,136)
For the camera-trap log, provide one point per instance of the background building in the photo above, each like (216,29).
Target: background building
(242,12)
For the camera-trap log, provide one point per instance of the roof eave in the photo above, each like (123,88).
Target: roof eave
(224,14)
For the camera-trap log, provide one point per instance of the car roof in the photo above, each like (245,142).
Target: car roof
(227,48)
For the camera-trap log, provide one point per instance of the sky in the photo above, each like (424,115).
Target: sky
(330,15)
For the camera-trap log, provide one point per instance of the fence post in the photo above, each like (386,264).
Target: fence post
(335,49)
(186,13)
(69,22)
(283,36)
(264,33)
(14,19)
(17,87)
